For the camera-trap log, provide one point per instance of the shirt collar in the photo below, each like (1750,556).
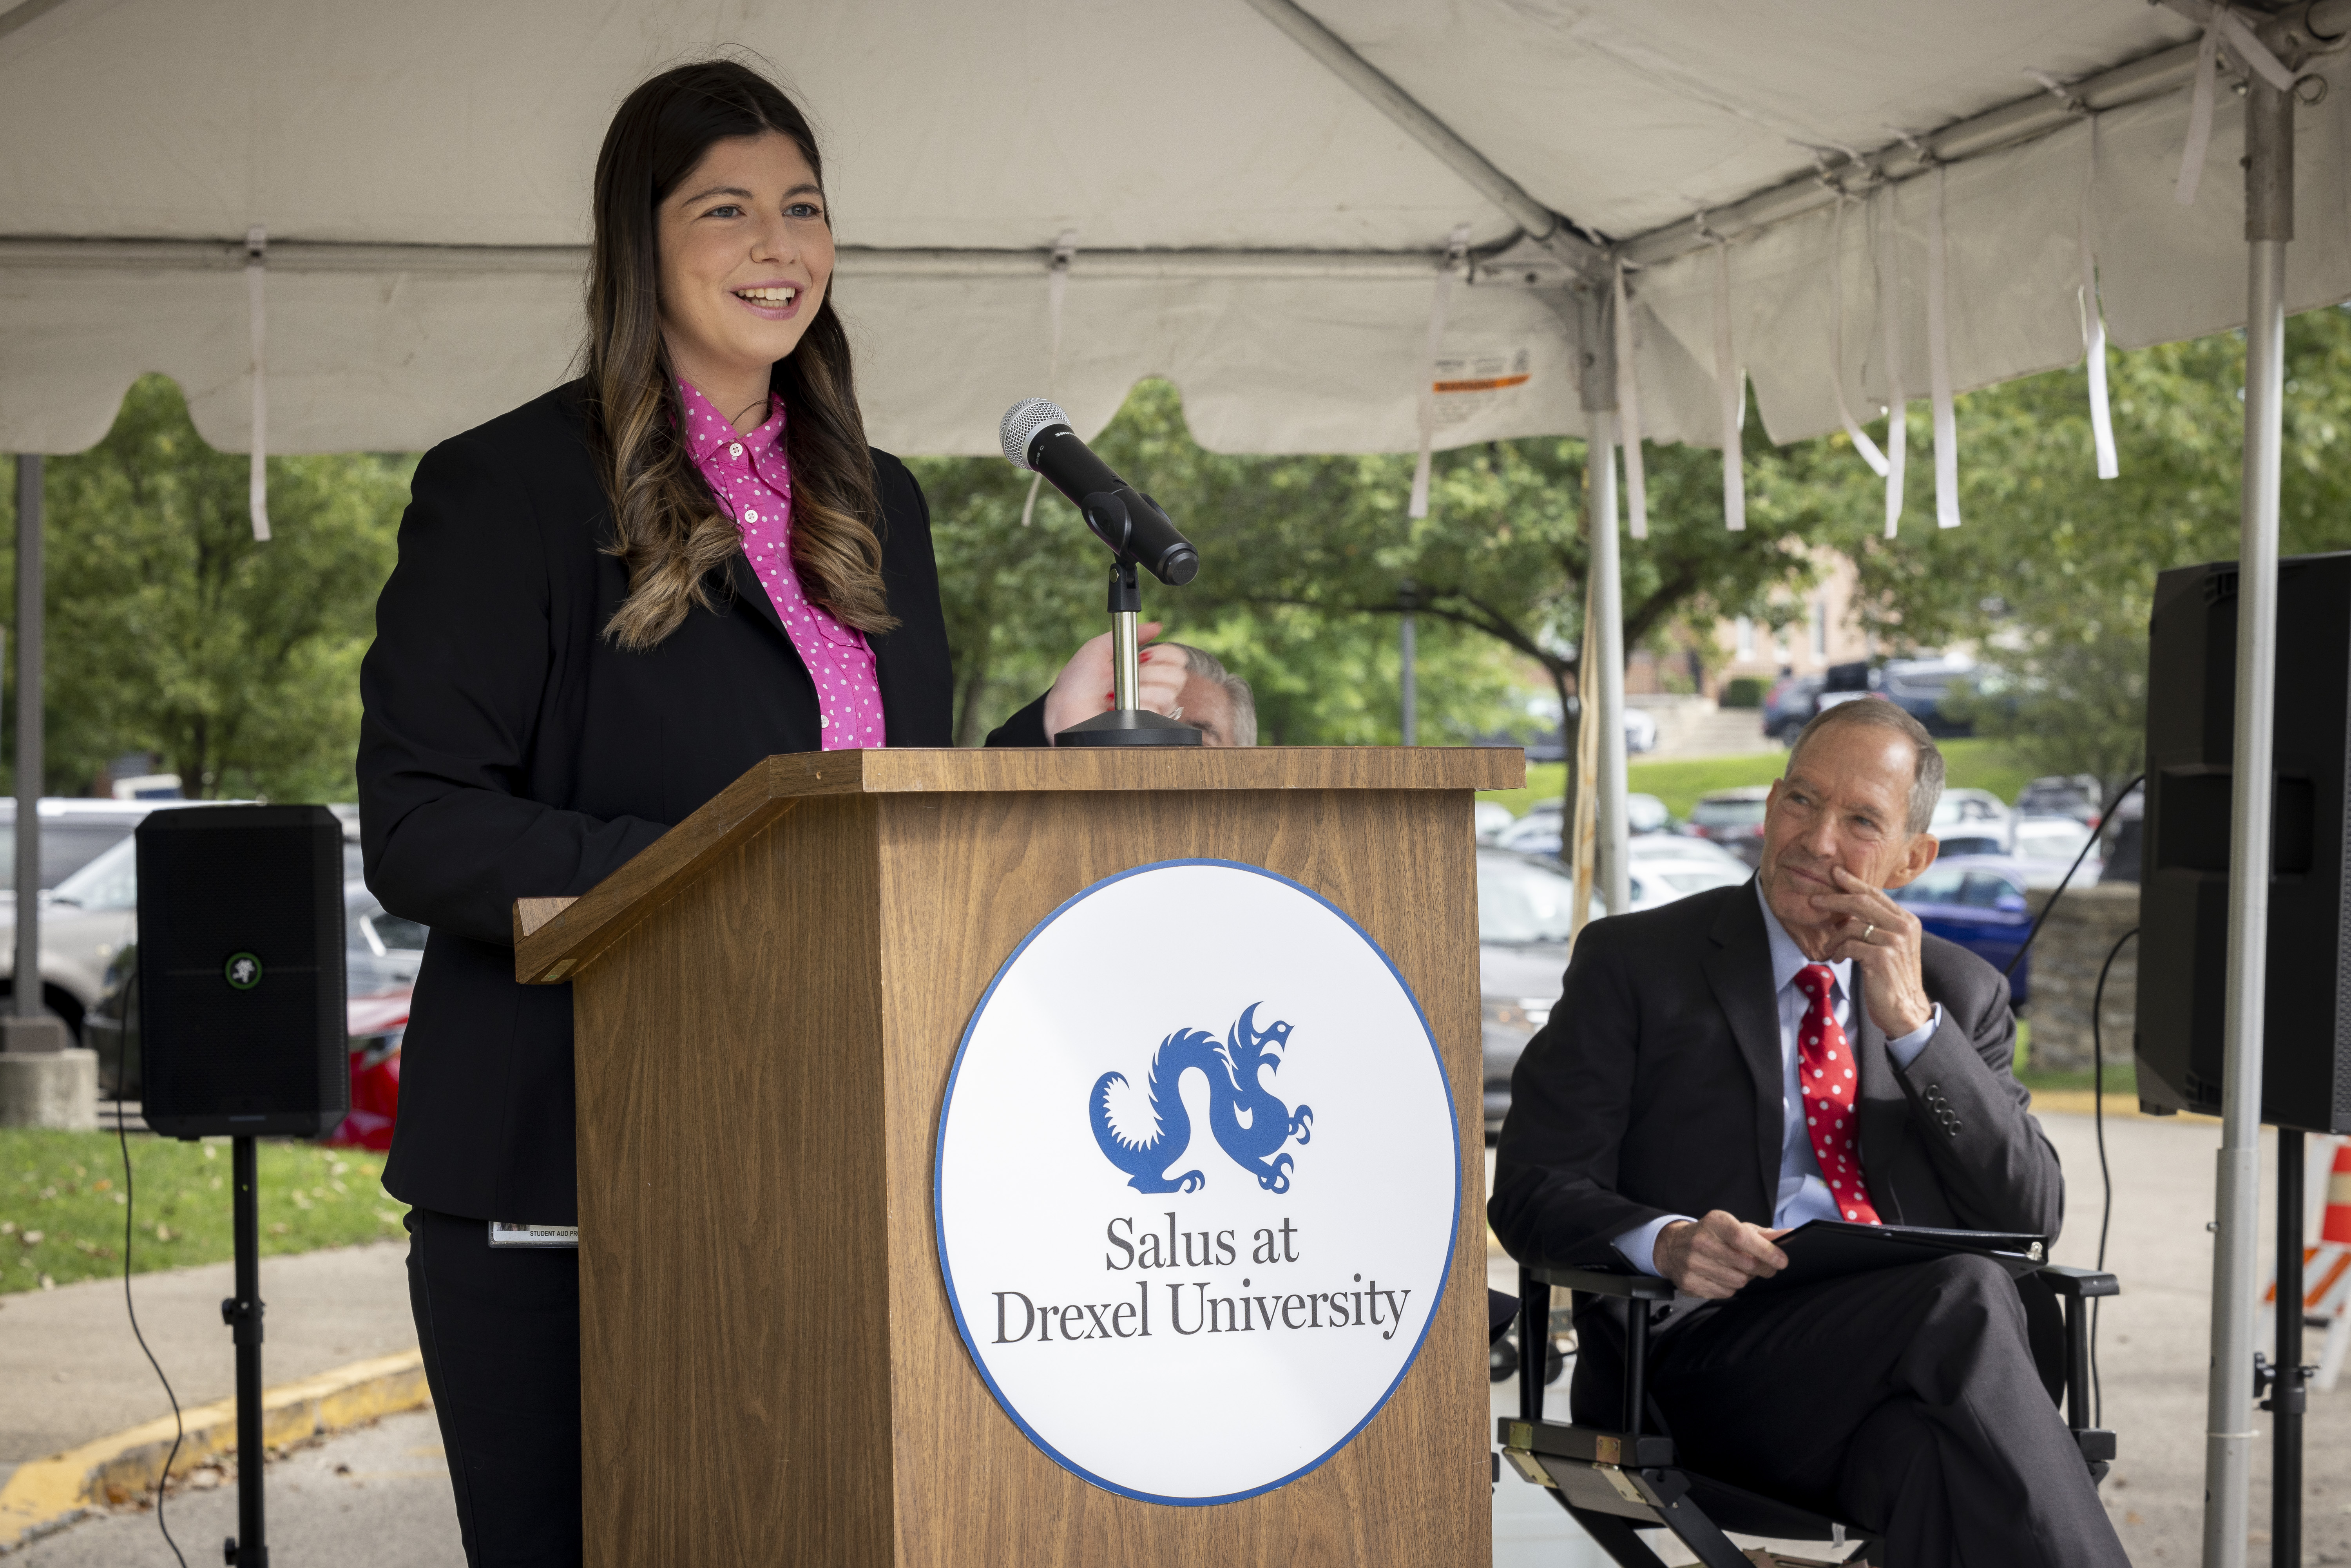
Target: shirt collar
(709,431)
(1787,957)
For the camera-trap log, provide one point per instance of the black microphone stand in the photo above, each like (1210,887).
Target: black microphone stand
(248,1548)
(1126,724)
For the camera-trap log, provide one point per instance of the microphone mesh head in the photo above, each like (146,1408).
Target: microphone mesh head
(1022,421)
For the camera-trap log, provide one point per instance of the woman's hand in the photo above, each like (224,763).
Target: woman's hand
(1083,689)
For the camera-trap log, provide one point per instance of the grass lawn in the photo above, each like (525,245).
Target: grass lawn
(1969,764)
(62,1207)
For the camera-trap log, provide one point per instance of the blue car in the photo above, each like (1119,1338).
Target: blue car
(1978,902)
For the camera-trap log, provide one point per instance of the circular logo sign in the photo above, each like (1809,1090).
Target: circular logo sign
(243,971)
(1198,1180)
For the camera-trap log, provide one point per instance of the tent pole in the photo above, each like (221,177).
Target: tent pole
(1408,652)
(1604,657)
(1601,668)
(26,1003)
(2269,226)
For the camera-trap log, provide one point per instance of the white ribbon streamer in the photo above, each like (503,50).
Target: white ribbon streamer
(1897,397)
(2093,325)
(2222,22)
(1731,387)
(1457,246)
(257,249)
(1628,413)
(1939,369)
(1853,430)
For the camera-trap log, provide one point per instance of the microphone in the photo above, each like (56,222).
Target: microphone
(1038,437)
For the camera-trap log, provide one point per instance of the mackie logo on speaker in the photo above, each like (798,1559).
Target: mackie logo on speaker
(243,971)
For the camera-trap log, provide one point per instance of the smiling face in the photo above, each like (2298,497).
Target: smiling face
(1845,801)
(746,255)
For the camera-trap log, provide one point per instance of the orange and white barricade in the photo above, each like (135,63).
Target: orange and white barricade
(2325,1276)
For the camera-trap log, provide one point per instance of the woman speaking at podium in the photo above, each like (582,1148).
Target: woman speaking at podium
(609,604)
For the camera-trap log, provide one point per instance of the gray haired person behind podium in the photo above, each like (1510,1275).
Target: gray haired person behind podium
(1796,1048)
(1214,700)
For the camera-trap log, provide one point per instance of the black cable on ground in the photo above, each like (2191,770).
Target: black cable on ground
(2105,1176)
(179,1429)
(2104,818)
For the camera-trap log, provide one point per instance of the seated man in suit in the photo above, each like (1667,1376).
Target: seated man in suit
(1730,1066)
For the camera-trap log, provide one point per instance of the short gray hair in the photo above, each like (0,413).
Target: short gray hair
(1876,713)
(1208,667)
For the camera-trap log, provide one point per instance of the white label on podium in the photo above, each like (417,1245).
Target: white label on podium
(1198,1177)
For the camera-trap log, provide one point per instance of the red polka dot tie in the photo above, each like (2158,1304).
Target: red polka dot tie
(1831,1096)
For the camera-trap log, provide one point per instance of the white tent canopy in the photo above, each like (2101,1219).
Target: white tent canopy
(1270,202)
(1245,221)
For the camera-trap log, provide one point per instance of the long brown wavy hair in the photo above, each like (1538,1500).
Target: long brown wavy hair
(668,529)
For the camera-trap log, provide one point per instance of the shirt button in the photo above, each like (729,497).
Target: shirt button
(735,449)
(750,517)
(822,722)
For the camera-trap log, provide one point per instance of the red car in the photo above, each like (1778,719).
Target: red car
(377,1024)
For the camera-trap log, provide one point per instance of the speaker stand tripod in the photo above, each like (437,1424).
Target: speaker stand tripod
(248,1548)
(2285,1376)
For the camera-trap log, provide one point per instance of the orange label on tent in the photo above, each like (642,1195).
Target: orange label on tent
(1486,383)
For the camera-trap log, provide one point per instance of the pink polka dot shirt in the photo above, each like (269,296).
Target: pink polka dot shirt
(748,475)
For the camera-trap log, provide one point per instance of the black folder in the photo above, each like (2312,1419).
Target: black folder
(1822,1249)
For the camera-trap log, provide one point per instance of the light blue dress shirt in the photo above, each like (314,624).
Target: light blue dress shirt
(1802,1194)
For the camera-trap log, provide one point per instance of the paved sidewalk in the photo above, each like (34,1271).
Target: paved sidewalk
(70,1371)
(374,1498)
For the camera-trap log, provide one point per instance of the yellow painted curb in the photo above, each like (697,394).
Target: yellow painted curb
(117,1468)
(2082,1103)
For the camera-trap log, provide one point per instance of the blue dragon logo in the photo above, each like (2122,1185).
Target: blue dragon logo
(1248,1119)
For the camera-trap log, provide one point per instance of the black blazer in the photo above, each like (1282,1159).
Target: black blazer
(1656,1089)
(508,749)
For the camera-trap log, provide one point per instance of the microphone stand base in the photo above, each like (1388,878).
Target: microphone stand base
(1129,727)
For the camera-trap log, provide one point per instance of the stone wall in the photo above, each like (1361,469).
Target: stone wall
(2065,959)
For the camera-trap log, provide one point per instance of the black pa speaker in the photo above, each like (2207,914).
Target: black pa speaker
(241,1002)
(2192,711)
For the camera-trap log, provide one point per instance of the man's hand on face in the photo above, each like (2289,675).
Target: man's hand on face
(1882,938)
(1713,1257)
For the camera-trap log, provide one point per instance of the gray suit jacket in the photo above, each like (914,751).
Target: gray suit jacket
(1656,1089)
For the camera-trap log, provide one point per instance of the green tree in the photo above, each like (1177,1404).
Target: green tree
(171,631)
(2053,576)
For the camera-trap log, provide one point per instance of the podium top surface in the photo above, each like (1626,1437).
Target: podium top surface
(553,936)
(964,770)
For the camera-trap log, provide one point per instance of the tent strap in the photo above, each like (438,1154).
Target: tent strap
(257,270)
(1629,409)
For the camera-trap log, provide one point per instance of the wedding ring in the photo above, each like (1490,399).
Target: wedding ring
(1867,930)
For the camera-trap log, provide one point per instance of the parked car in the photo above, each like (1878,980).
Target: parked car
(1845,682)
(1971,822)
(1640,729)
(1978,902)
(1539,832)
(1491,818)
(1523,929)
(86,918)
(1640,735)
(1523,903)
(1789,706)
(1665,868)
(1734,820)
(74,832)
(2045,846)
(2057,795)
(1928,690)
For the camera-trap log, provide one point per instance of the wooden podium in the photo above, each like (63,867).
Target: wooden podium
(767,1003)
